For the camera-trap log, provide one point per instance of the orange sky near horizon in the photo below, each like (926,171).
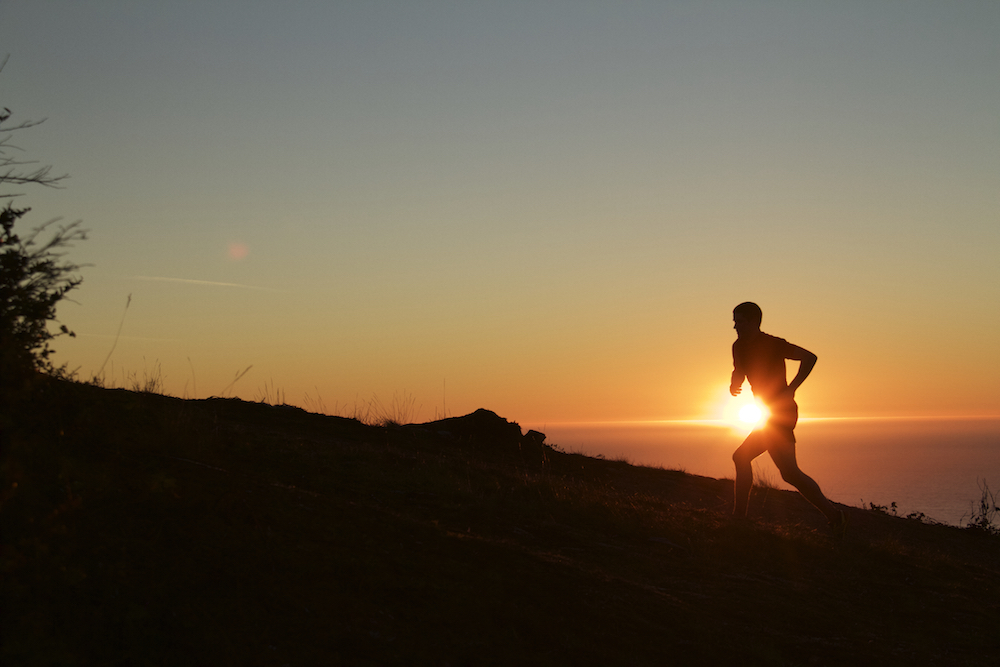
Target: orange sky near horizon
(548,211)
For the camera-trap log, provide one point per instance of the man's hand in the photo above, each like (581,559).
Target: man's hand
(806,361)
(734,390)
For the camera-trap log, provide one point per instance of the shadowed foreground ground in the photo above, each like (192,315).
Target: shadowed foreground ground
(144,530)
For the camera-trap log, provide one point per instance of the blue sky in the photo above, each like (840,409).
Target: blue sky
(547,208)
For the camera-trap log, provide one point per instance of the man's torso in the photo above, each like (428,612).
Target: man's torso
(762,360)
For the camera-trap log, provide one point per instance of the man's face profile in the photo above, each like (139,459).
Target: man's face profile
(743,325)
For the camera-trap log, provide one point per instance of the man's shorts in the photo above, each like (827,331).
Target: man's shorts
(782,420)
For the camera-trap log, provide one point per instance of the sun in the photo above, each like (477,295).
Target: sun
(750,413)
(741,413)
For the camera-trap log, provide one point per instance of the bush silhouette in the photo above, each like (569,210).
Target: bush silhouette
(34,278)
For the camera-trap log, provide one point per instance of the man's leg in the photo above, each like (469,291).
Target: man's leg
(752,447)
(782,451)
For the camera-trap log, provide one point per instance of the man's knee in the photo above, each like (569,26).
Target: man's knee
(791,475)
(742,459)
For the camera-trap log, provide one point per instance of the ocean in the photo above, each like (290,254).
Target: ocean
(932,466)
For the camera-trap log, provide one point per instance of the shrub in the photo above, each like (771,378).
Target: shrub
(33,276)
(33,280)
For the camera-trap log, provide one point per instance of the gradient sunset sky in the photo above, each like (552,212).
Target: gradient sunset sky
(547,209)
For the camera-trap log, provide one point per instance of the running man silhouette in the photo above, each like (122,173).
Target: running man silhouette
(760,358)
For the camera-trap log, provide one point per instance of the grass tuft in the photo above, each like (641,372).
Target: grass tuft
(763,476)
(315,405)
(400,411)
(985,517)
(270,395)
(149,382)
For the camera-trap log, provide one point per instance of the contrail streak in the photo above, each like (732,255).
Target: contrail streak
(211,283)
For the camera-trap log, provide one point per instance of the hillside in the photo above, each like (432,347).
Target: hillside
(139,529)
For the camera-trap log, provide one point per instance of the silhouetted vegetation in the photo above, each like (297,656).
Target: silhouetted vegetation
(986,515)
(34,277)
(892,510)
(33,280)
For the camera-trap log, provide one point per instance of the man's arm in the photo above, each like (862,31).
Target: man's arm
(806,361)
(736,383)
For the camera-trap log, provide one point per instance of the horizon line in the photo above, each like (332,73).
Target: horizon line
(726,422)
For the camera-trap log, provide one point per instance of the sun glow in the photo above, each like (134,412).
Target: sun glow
(740,413)
(750,413)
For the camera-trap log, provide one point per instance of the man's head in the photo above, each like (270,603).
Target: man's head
(746,318)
